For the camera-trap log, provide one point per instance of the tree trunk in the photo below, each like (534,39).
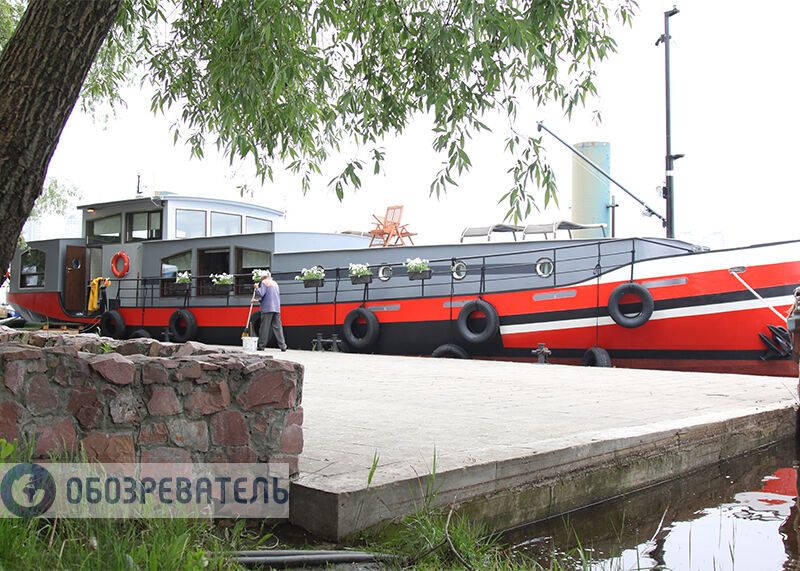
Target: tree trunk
(42,70)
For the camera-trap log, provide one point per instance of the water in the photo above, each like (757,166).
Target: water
(741,514)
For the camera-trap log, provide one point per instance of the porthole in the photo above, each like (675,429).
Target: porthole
(76,264)
(385,273)
(544,267)
(459,270)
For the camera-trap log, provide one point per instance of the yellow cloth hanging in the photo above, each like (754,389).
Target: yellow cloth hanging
(94,293)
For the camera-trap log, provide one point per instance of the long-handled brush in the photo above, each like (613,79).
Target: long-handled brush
(246,331)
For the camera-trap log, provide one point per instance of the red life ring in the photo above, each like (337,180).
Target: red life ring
(126,264)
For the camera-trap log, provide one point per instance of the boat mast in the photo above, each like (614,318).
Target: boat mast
(669,189)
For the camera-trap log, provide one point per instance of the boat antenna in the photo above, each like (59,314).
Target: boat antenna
(647,210)
(138,188)
(668,191)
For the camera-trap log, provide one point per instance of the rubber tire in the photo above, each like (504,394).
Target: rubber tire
(596,357)
(370,338)
(492,321)
(112,324)
(140,334)
(450,351)
(630,288)
(189,333)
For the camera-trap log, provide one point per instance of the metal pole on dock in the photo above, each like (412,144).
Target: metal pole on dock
(669,189)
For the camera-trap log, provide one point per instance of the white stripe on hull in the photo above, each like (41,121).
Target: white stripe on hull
(692,311)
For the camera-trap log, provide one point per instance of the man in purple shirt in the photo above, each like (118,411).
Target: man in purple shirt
(270,295)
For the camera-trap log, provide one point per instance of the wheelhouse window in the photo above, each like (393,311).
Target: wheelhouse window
(107,230)
(216,261)
(170,268)
(143,226)
(258,225)
(246,261)
(31,269)
(223,224)
(190,223)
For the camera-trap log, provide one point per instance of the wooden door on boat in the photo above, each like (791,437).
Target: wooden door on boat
(75,279)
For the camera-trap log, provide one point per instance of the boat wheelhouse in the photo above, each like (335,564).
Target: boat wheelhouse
(640,302)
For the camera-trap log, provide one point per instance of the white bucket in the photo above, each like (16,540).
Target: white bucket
(250,343)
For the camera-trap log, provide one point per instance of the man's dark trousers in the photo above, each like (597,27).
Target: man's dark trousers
(270,321)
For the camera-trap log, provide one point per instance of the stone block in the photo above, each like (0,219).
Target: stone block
(100,447)
(229,428)
(114,368)
(154,372)
(10,414)
(40,396)
(191,434)
(85,405)
(291,439)
(163,401)
(268,388)
(209,399)
(55,437)
(125,408)
(153,433)
(14,376)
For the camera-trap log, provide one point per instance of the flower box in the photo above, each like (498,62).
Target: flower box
(313,283)
(356,280)
(180,288)
(423,275)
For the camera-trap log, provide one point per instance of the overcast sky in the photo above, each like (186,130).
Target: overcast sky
(735,118)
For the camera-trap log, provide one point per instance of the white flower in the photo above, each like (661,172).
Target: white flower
(416,265)
(221,279)
(359,270)
(184,278)
(315,273)
(258,275)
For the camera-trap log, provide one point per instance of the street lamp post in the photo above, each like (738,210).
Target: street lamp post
(669,189)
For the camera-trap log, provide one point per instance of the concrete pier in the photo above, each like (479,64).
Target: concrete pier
(508,442)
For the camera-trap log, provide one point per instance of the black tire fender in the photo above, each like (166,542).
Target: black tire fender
(450,351)
(630,288)
(372,334)
(112,324)
(492,321)
(140,334)
(186,333)
(596,357)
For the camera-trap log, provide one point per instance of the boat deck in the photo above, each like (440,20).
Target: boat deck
(511,442)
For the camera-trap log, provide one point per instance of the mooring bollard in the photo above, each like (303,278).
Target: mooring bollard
(542,353)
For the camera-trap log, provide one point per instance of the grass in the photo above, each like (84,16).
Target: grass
(109,544)
(102,544)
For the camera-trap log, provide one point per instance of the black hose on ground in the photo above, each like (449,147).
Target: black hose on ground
(282,558)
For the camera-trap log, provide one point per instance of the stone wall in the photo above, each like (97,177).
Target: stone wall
(148,401)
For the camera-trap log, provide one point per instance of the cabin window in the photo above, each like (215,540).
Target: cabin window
(225,224)
(170,268)
(190,223)
(31,269)
(258,225)
(143,226)
(246,261)
(216,261)
(106,230)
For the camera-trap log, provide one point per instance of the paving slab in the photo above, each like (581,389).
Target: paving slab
(510,442)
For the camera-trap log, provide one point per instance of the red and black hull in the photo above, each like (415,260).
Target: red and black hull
(704,318)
